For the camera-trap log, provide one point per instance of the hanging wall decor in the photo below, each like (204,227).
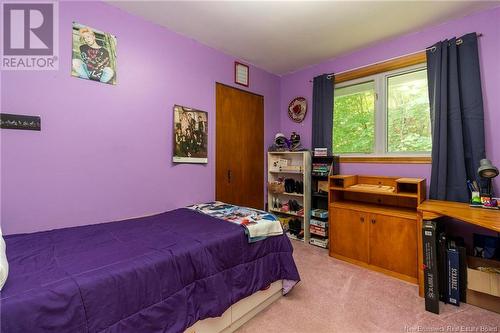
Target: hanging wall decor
(19,121)
(94,54)
(241,74)
(190,135)
(297,109)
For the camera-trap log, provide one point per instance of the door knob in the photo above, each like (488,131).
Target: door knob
(373,221)
(362,219)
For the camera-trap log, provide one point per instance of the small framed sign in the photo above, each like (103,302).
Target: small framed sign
(241,74)
(21,122)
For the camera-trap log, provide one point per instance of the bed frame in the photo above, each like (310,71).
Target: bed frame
(240,312)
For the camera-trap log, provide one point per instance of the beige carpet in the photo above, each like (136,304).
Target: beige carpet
(334,296)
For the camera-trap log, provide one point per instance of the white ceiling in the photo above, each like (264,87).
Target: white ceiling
(283,36)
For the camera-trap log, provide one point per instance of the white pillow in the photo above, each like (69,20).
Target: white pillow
(4,265)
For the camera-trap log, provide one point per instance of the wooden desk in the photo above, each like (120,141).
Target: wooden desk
(371,218)
(433,209)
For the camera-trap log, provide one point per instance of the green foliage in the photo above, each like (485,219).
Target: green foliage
(354,123)
(408,119)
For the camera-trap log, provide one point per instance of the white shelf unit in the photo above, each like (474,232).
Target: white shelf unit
(297,159)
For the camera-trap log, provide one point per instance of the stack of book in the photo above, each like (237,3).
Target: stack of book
(320,151)
(445,268)
(319,228)
(321,169)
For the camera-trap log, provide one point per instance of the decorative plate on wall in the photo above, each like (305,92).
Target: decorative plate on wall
(297,109)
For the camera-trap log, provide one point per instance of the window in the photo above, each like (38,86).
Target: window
(385,114)
(354,118)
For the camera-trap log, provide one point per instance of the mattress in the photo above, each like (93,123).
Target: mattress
(160,273)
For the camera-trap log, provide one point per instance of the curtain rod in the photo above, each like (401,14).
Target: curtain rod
(459,41)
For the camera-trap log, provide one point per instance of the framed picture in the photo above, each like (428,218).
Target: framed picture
(190,135)
(94,54)
(19,121)
(241,74)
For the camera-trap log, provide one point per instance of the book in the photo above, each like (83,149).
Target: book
(431,286)
(320,151)
(453,276)
(462,274)
(319,242)
(443,267)
(459,244)
(321,213)
(319,231)
(321,169)
(321,224)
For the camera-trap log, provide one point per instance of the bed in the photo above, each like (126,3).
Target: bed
(161,273)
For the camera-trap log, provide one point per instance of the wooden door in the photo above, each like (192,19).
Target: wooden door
(349,233)
(393,244)
(239,147)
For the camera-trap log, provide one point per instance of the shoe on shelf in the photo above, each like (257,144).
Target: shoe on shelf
(294,226)
(300,235)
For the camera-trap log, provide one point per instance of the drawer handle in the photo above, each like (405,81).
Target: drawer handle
(373,221)
(362,219)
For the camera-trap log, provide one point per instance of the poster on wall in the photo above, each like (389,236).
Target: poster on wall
(94,54)
(190,135)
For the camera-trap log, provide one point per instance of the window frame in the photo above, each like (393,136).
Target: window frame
(380,152)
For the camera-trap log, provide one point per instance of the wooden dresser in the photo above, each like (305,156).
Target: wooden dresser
(373,222)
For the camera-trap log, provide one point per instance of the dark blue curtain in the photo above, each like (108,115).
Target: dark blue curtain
(456,115)
(322,113)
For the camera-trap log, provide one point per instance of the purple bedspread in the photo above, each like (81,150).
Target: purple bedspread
(154,274)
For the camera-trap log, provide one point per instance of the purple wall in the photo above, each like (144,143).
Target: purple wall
(104,152)
(488,23)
